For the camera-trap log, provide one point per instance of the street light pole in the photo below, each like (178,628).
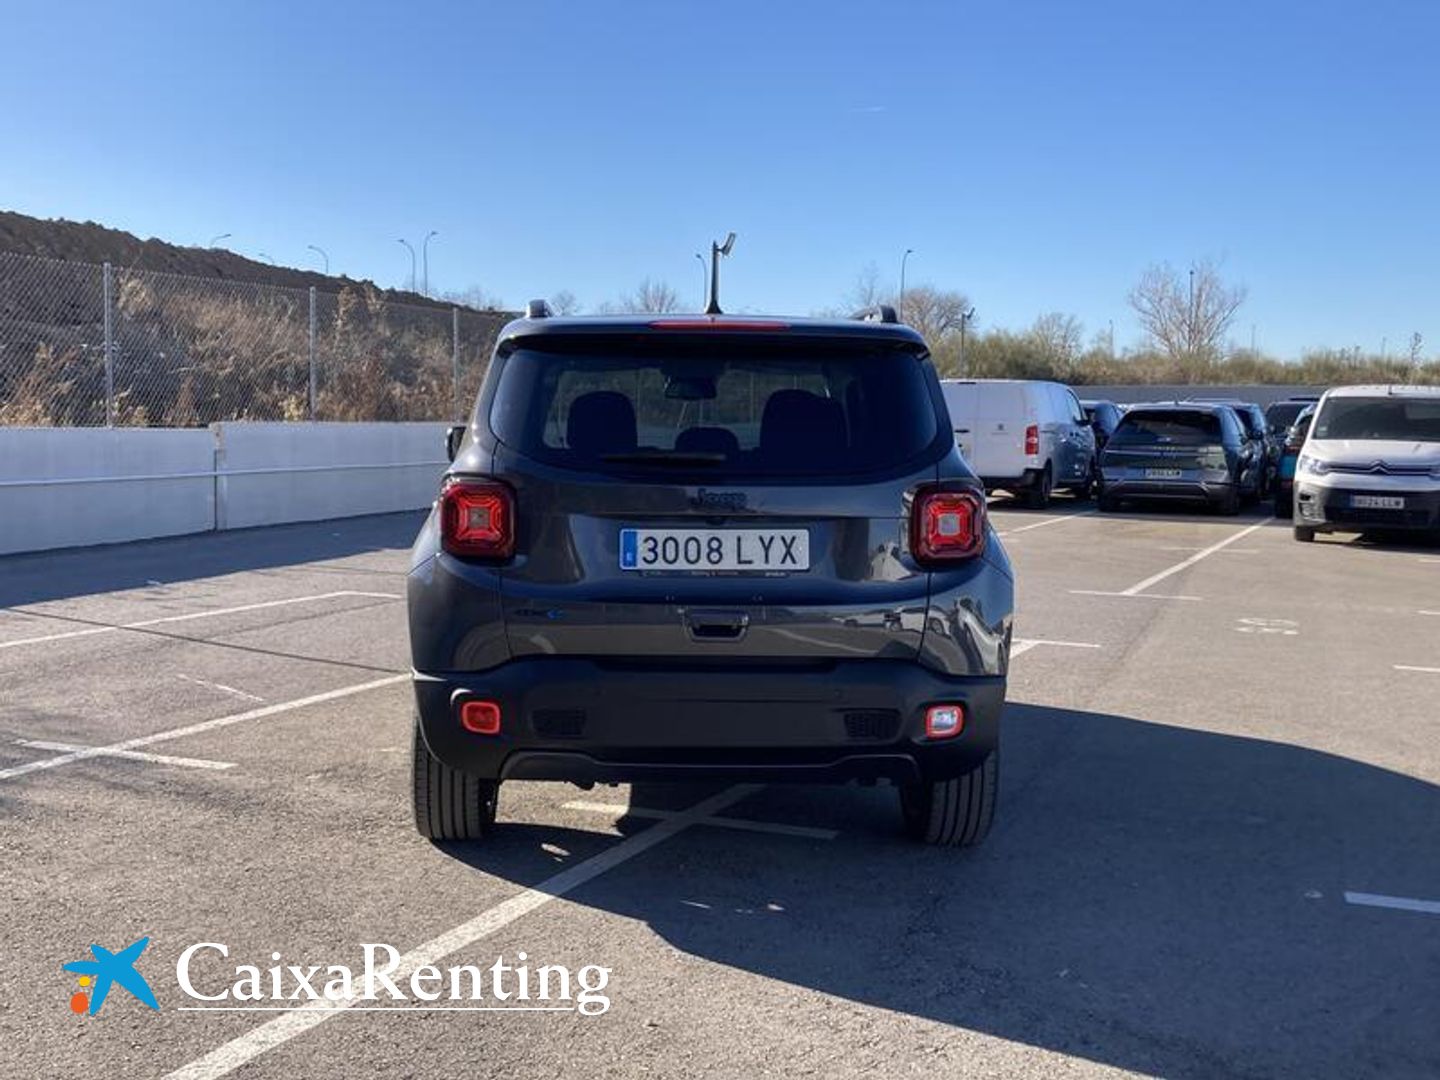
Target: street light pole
(903,259)
(312,247)
(704,279)
(410,249)
(716,250)
(965,318)
(425,261)
(1190,322)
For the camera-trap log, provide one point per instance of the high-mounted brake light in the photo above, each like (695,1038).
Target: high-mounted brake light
(1032,440)
(477,519)
(719,324)
(947,526)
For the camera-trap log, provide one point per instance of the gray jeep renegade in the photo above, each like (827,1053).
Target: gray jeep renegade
(709,547)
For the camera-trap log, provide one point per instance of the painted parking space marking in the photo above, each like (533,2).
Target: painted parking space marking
(221,688)
(166,620)
(196,729)
(1253,625)
(245,1048)
(1412,667)
(618,810)
(1396,903)
(1020,646)
(1140,587)
(1043,524)
(1132,596)
(129,755)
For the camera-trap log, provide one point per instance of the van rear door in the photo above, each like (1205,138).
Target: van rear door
(1002,414)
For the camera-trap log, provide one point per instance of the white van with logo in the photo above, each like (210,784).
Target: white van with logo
(1370,462)
(1027,437)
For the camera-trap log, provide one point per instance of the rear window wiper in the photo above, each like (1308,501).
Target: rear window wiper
(666,457)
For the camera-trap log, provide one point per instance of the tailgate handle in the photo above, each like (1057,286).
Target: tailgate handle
(717,625)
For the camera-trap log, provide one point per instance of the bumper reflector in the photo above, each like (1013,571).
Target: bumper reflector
(944,721)
(480,717)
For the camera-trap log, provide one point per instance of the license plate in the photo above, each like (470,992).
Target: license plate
(753,550)
(1162,474)
(1377,502)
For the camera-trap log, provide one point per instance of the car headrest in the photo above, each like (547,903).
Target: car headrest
(601,422)
(799,423)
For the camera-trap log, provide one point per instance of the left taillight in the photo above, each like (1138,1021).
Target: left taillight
(477,519)
(947,526)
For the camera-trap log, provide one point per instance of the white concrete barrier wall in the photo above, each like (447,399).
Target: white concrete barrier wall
(273,473)
(73,487)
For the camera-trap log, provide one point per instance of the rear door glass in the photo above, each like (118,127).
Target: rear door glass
(739,407)
(1167,429)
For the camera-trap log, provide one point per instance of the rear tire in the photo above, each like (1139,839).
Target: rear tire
(953,813)
(1304,534)
(1038,497)
(449,804)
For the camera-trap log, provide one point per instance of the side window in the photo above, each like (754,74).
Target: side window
(1077,414)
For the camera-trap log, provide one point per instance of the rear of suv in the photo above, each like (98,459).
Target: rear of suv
(1371,462)
(1192,452)
(709,547)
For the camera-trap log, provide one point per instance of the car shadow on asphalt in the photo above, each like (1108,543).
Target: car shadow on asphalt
(1155,898)
(57,575)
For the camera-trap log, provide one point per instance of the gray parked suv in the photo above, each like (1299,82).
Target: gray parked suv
(709,547)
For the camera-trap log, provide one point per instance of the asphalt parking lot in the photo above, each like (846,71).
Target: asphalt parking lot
(1215,855)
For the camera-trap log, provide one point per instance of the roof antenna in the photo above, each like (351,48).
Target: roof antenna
(716,250)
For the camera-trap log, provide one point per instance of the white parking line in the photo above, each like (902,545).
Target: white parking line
(244,1048)
(1398,903)
(196,729)
(1412,667)
(1042,524)
(1138,589)
(132,755)
(221,687)
(90,631)
(618,811)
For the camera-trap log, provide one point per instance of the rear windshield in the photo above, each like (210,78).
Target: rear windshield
(1284,413)
(742,409)
(1395,418)
(1168,428)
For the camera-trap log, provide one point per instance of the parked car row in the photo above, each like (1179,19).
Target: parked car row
(1357,458)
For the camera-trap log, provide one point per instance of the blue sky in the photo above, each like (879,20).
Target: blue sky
(1035,155)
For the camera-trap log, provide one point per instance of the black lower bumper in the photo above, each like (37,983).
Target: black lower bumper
(595,721)
(1206,491)
(1328,508)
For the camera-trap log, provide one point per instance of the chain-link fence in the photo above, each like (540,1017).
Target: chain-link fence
(89,345)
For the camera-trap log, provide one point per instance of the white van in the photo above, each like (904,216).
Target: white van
(1371,461)
(1023,436)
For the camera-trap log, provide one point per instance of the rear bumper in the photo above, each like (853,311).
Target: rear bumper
(1329,509)
(1171,490)
(1024,482)
(592,721)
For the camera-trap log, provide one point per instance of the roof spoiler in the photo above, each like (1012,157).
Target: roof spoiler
(883,313)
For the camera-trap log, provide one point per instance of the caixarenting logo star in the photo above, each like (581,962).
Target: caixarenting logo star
(98,975)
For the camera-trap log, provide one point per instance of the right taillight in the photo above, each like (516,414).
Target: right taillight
(1032,440)
(947,526)
(477,519)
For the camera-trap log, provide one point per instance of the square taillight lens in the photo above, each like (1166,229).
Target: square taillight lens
(477,519)
(948,526)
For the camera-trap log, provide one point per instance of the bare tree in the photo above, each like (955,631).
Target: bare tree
(474,297)
(1187,315)
(564,303)
(652,297)
(867,291)
(1057,338)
